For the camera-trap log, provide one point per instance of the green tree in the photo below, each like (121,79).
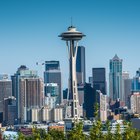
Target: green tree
(21,136)
(55,135)
(127,133)
(38,134)
(118,133)
(131,133)
(96,111)
(108,135)
(96,131)
(77,132)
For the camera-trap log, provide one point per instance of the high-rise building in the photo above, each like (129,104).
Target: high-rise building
(52,88)
(81,77)
(52,74)
(9,115)
(81,94)
(51,94)
(80,65)
(5,92)
(128,90)
(28,92)
(31,95)
(99,79)
(91,97)
(65,93)
(135,102)
(89,101)
(15,81)
(102,102)
(81,98)
(125,75)
(136,81)
(50,101)
(126,87)
(115,78)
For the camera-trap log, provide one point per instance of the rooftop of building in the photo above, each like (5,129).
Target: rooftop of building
(116,58)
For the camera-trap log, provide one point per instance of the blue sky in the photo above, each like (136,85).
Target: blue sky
(29,32)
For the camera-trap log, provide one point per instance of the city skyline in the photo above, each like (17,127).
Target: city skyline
(29,33)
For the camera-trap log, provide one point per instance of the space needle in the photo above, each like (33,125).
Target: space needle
(72,36)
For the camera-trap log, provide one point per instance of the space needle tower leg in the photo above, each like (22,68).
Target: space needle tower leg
(73,79)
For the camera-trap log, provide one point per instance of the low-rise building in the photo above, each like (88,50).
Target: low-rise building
(57,114)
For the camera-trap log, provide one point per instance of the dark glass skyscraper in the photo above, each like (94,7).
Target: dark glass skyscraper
(89,100)
(99,79)
(52,65)
(115,78)
(52,74)
(136,81)
(80,65)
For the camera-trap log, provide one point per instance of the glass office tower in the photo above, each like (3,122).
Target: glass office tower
(115,78)
(52,74)
(99,79)
(80,65)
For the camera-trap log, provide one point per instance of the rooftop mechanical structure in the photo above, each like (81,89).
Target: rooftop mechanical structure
(72,36)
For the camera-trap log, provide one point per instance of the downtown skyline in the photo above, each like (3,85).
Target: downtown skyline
(29,33)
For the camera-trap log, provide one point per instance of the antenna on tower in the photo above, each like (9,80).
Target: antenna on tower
(71,22)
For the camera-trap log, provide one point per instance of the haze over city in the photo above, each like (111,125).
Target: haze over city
(29,32)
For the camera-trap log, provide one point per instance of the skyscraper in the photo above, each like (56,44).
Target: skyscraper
(102,101)
(52,89)
(80,65)
(136,81)
(15,81)
(99,79)
(28,91)
(31,95)
(51,94)
(115,78)
(89,100)
(5,92)
(126,87)
(52,74)
(9,115)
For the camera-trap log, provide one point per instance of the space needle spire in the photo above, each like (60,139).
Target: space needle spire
(72,36)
